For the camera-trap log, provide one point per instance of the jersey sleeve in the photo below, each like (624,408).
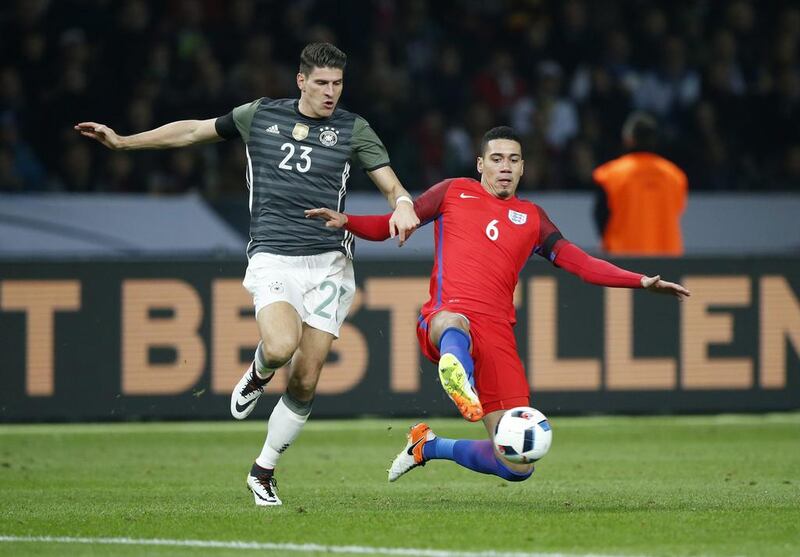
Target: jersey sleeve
(566,255)
(368,150)
(369,227)
(590,269)
(550,237)
(226,127)
(376,227)
(428,206)
(237,121)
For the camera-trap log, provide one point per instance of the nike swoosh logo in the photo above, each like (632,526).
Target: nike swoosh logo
(242,408)
(465,196)
(410,450)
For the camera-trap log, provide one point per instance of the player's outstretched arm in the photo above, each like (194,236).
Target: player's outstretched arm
(404,219)
(174,134)
(590,269)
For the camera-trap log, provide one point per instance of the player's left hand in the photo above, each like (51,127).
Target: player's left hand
(403,222)
(655,284)
(333,219)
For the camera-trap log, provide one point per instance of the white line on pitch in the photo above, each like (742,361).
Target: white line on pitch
(295,547)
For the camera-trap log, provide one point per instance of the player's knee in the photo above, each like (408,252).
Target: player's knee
(518,474)
(303,386)
(277,351)
(453,321)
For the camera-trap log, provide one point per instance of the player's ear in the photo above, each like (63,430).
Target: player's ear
(521,167)
(480,165)
(301,82)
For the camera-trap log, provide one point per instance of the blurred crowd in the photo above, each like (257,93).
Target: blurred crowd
(721,77)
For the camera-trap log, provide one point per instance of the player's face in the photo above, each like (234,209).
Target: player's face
(320,91)
(501,167)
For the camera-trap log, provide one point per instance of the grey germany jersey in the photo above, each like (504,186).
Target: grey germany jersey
(295,163)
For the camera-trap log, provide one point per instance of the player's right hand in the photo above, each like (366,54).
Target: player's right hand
(655,284)
(333,219)
(101,133)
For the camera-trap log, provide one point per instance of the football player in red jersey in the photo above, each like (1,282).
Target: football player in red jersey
(483,235)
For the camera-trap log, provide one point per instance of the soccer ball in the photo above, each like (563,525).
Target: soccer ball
(523,435)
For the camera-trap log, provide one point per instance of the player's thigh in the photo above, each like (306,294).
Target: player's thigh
(444,320)
(500,377)
(276,284)
(490,422)
(308,360)
(280,328)
(329,291)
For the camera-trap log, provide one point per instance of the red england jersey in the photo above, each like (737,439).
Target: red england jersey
(483,242)
(481,245)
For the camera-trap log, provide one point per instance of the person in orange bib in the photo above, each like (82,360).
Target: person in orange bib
(642,196)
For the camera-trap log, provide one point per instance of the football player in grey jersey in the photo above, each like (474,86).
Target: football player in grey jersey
(299,272)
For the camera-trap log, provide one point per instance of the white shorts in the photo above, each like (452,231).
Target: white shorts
(320,287)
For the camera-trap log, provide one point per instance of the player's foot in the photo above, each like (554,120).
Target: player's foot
(261,481)
(457,386)
(246,393)
(411,455)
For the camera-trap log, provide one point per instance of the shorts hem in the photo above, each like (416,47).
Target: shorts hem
(505,403)
(322,325)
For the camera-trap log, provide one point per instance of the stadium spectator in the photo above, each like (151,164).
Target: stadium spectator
(548,114)
(21,170)
(641,195)
(672,87)
(197,56)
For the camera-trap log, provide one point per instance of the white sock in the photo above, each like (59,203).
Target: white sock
(262,370)
(283,428)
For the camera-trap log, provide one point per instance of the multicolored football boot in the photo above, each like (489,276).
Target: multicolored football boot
(458,387)
(411,455)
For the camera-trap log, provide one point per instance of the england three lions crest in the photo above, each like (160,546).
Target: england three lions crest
(517,217)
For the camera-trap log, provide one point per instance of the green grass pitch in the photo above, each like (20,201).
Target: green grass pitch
(653,486)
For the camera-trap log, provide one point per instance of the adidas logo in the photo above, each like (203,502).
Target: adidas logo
(273,129)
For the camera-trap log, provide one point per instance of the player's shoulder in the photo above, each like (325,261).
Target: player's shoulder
(459,187)
(464,184)
(527,207)
(266,103)
(344,116)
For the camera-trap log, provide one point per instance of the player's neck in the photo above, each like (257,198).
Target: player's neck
(304,108)
(491,192)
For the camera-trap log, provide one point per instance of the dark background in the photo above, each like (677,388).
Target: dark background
(723,79)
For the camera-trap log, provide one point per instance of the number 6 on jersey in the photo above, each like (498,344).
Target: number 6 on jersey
(491,230)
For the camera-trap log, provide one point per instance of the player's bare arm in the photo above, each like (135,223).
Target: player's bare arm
(404,219)
(174,134)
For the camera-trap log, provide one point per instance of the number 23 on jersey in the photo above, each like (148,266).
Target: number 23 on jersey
(303,165)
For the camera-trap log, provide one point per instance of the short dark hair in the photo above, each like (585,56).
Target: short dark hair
(321,55)
(640,131)
(499,132)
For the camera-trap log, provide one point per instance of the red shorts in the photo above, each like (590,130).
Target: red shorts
(499,375)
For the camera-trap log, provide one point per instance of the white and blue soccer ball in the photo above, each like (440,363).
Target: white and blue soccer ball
(523,435)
